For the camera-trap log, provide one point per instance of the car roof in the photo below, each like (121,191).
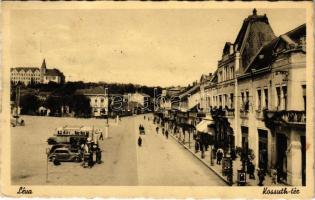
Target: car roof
(62,148)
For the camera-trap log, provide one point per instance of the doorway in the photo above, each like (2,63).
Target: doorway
(263,149)
(303,152)
(244,130)
(282,157)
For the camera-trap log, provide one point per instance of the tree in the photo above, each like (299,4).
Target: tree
(81,106)
(29,104)
(54,103)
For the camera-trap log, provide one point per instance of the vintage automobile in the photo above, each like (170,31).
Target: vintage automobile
(17,121)
(75,135)
(64,154)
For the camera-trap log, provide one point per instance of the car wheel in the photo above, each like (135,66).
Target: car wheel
(77,159)
(56,162)
(52,159)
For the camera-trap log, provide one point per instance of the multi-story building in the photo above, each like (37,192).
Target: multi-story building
(222,92)
(25,75)
(260,88)
(35,75)
(98,100)
(273,106)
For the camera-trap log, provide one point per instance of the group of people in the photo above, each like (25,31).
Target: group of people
(91,148)
(164,132)
(141,128)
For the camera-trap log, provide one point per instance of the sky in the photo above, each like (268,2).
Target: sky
(151,47)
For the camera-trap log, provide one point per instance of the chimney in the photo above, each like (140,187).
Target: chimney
(231,49)
(237,62)
(254,12)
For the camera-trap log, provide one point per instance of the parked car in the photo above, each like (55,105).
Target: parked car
(17,121)
(65,154)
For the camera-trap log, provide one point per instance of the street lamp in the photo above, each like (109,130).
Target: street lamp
(211,131)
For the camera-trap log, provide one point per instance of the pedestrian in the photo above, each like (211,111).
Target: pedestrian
(196,146)
(163,130)
(166,134)
(98,156)
(261,176)
(157,130)
(139,141)
(251,170)
(274,176)
(101,136)
(219,156)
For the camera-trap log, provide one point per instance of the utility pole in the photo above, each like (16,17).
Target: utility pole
(107,123)
(17,103)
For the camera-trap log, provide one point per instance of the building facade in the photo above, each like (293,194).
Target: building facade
(257,98)
(34,75)
(263,98)
(99,100)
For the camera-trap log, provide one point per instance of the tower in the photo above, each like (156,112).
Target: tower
(43,71)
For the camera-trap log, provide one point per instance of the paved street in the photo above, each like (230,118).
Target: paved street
(159,161)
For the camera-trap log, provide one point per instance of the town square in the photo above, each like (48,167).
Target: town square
(159,98)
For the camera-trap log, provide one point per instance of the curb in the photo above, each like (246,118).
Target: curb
(202,161)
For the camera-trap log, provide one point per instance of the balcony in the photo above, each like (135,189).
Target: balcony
(244,113)
(295,117)
(230,112)
(259,114)
(288,117)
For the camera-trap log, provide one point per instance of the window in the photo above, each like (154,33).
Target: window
(278,93)
(246,106)
(95,100)
(259,99)
(220,100)
(285,94)
(266,97)
(304,96)
(102,100)
(232,72)
(232,100)
(243,100)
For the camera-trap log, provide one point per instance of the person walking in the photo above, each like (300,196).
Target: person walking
(139,141)
(157,130)
(101,136)
(166,134)
(163,130)
(261,175)
(219,156)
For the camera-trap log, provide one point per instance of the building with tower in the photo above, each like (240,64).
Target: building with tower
(35,75)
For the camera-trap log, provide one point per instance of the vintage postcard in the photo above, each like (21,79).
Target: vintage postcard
(157,99)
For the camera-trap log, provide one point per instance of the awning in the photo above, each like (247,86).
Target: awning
(203,126)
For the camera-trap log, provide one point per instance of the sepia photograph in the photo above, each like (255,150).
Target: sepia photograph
(158,96)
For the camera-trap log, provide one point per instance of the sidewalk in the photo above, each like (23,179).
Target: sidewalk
(218,168)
